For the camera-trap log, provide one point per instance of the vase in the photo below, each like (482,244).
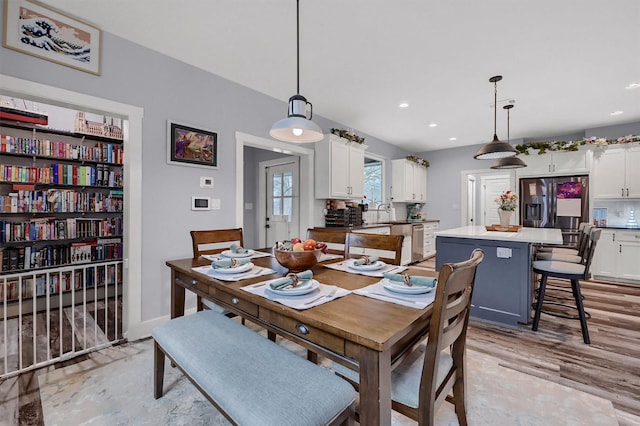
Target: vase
(505,217)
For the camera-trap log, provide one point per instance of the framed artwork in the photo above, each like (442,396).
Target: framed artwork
(190,146)
(36,30)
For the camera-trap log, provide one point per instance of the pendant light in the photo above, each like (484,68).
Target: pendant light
(495,149)
(297,127)
(508,162)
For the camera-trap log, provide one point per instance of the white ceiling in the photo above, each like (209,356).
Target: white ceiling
(565,63)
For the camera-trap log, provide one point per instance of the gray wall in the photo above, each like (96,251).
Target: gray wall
(168,89)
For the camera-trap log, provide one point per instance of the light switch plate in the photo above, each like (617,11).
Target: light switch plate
(215,204)
(503,252)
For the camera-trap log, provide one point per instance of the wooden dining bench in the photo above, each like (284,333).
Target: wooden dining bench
(250,379)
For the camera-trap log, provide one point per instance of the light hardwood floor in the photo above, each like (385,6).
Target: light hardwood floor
(609,367)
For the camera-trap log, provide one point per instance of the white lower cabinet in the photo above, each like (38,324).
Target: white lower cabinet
(617,255)
(429,248)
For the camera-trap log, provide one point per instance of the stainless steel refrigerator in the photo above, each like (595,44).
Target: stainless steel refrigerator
(555,202)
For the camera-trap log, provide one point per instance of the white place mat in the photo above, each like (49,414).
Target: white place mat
(416,301)
(218,256)
(301,302)
(328,256)
(342,266)
(256,271)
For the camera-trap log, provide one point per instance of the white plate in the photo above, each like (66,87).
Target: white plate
(371,267)
(305,288)
(238,269)
(401,288)
(229,253)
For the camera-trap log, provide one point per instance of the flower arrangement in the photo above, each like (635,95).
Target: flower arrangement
(508,201)
(421,161)
(543,147)
(348,134)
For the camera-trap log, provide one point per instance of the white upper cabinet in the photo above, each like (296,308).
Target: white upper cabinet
(556,162)
(409,181)
(339,168)
(616,172)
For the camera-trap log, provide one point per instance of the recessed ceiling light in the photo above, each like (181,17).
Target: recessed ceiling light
(453,139)
(616,112)
(403,105)
(433,125)
(635,85)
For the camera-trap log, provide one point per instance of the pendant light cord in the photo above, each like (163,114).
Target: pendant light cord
(495,110)
(298,45)
(508,138)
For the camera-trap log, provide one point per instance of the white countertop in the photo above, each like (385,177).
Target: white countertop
(525,235)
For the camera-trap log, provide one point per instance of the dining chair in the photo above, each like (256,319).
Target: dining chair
(388,247)
(574,272)
(434,372)
(334,238)
(213,241)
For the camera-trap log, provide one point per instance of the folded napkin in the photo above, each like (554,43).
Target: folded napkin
(236,248)
(412,280)
(291,279)
(365,260)
(228,263)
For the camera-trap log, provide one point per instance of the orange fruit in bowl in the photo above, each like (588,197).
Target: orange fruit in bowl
(309,245)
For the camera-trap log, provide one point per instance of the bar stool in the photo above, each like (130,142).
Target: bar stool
(574,272)
(567,254)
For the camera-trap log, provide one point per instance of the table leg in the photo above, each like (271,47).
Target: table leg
(375,387)
(177,297)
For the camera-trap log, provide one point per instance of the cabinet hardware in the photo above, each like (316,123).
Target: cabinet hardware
(620,248)
(302,329)
(627,192)
(622,192)
(235,300)
(194,282)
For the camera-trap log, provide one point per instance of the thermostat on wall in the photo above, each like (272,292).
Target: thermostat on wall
(200,203)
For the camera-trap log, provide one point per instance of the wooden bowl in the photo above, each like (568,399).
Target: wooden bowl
(297,261)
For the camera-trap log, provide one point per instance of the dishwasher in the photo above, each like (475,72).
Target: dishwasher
(417,242)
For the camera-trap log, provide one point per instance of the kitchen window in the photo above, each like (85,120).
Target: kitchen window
(373,179)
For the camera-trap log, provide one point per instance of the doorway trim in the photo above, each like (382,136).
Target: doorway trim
(306,172)
(464,177)
(262,195)
(132,127)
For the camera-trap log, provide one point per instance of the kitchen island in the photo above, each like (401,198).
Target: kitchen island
(503,288)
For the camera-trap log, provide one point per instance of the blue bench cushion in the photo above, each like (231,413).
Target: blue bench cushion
(254,380)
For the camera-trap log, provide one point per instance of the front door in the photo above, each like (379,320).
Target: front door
(282,204)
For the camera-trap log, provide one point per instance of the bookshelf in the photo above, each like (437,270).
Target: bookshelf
(61,205)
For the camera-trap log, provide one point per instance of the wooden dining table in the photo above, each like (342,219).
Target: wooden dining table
(360,332)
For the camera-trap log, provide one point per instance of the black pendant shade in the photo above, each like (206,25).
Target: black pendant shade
(508,162)
(495,149)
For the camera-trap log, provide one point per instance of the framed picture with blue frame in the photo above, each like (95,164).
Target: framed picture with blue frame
(191,146)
